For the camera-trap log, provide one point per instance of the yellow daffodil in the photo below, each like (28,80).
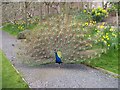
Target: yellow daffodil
(94,22)
(103,23)
(93,10)
(101,26)
(91,21)
(98,31)
(104,11)
(108,45)
(106,33)
(103,36)
(18,27)
(111,29)
(84,11)
(114,35)
(98,14)
(91,24)
(86,23)
(90,45)
(105,42)
(108,38)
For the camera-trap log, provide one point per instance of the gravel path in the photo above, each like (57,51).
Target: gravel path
(6,45)
(51,76)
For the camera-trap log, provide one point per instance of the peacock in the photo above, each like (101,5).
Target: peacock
(58,56)
(60,40)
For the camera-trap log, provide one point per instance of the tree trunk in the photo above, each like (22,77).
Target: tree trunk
(117,19)
(26,21)
(40,10)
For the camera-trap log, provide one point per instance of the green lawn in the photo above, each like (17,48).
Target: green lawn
(0,70)
(107,61)
(13,29)
(10,78)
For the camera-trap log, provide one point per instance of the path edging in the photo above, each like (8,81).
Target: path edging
(108,72)
(104,71)
(21,76)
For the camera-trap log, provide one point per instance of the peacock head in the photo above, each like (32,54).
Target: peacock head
(55,51)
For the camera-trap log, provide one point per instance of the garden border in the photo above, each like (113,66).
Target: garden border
(103,70)
(21,76)
(108,72)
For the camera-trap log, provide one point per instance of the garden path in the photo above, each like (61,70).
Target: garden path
(51,76)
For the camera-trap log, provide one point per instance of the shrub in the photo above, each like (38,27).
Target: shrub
(108,37)
(99,14)
(111,9)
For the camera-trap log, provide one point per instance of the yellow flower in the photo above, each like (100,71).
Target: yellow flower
(19,27)
(103,36)
(108,45)
(105,42)
(93,10)
(103,11)
(94,22)
(111,29)
(90,45)
(91,24)
(106,33)
(108,38)
(103,23)
(86,23)
(98,14)
(98,31)
(99,8)
(101,26)
(113,34)
(84,11)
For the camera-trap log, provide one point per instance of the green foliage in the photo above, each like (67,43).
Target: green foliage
(107,37)
(108,61)
(115,6)
(111,9)
(83,16)
(99,14)
(0,71)
(19,26)
(10,78)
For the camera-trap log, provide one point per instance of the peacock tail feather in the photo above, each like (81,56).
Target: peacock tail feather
(71,41)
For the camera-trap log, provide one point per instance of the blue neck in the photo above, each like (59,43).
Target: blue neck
(56,54)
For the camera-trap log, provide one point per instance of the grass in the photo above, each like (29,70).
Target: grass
(0,71)
(14,30)
(10,78)
(108,61)
(84,17)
